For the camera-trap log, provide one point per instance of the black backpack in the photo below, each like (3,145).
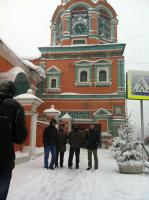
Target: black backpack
(6,138)
(12,130)
(7,155)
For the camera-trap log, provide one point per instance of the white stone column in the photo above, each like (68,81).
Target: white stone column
(30,103)
(33,134)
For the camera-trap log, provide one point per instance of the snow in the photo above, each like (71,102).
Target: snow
(73,93)
(39,70)
(20,154)
(12,74)
(28,96)
(69,93)
(52,112)
(23,156)
(105,134)
(32,182)
(66,116)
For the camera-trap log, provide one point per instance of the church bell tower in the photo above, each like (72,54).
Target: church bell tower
(82,23)
(85,76)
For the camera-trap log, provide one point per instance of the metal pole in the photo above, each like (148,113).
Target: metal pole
(142,121)
(142,129)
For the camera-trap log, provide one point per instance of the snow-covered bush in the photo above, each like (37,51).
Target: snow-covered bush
(126,147)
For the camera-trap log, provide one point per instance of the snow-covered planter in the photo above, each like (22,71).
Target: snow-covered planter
(127,151)
(132,167)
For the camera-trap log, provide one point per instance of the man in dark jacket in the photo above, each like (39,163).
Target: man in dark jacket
(61,145)
(49,142)
(12,130)
(93,140)
(75,140)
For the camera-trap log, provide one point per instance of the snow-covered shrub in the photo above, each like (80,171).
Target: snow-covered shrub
(126,147)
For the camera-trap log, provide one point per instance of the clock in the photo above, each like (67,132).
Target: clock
(79,28)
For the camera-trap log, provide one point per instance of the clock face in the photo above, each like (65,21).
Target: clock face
(79,28)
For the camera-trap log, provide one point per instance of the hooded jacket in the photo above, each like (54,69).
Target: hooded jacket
(12,125)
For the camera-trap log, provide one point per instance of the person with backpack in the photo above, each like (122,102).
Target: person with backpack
(49,142)
(12,130)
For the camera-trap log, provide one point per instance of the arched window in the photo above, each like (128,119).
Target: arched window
(58,30)
(53,83)
(104,25)
(102,75)
(83,76)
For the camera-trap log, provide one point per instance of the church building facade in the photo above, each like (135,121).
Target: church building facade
(84,65)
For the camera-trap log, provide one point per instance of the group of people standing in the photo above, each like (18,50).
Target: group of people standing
(13,131)
(55,140)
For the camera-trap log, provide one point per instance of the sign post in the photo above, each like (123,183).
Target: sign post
(138,89)
(142,121)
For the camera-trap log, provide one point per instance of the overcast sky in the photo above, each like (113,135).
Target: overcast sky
(25,25)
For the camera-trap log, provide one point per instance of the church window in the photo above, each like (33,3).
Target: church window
(58,30)
(53,79)
(102,75)
(83,76)
(104,26)
(118,110)
(53,83)
(83,73)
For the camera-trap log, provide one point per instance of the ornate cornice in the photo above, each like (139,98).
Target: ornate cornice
(121,96)
(85,52)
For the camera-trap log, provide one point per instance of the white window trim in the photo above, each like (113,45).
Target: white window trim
(88,75)
(107,74)
(50,80)
(118,111)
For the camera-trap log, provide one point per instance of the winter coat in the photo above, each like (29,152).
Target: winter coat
(93,139)
(12,127)
(50,136)
(75,138)
(61,141)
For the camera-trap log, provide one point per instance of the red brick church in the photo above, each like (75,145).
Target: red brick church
(84,65)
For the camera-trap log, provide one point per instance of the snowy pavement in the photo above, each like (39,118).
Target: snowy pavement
(32,182)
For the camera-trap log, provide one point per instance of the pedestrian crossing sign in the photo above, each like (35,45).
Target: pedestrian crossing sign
(138,85)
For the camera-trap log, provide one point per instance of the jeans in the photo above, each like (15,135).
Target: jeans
(47,151)
(94,152)
(5,178)
(77,154)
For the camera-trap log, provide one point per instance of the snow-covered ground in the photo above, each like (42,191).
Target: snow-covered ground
(32,182)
